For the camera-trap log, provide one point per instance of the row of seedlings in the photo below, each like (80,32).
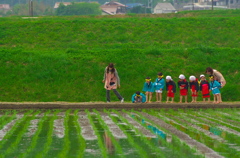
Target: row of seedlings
(230,115)
(125,127)
(4,119)
(14,147)
(213,121)
(108,133)
(193,130)
(66,142)
(35,138)
(177,147)
(218,124)
(77,146)
(44,143)
(209,115)
(167,141)
(185,123)
(184,138)
(213,141)
(10,130)
(144,134)
(91,147)
(189,120)
(58,135)
(49,140)
(82,143)
(101,145)
(230,136)
(6,122)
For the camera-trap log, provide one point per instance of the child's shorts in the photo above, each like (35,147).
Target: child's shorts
(158,91)
(170,94)
(183,92)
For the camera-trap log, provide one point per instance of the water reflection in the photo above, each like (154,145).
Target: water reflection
(215,131)
(108,143)
(154,129)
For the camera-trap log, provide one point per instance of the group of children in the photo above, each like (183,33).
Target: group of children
(194,85)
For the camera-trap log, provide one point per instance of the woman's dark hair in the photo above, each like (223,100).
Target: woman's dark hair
(111,65)
(209,69)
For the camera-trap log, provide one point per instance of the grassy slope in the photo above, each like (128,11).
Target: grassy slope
(63,58)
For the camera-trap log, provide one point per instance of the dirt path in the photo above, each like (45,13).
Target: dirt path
(113,105)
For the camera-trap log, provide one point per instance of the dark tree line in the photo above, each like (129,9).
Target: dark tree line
(79,9)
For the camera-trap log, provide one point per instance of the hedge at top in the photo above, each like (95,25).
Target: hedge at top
(76,75)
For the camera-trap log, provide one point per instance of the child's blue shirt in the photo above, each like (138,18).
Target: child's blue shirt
(159,83)
(148,87)
(215,86)
(141,94)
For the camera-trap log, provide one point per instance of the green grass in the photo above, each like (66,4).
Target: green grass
(63,58)
(130,32)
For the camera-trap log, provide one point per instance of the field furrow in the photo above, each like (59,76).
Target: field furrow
(171,133)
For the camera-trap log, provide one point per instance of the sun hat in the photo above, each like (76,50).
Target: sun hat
(192,78)
(202,76)
(182,77)
(168,78)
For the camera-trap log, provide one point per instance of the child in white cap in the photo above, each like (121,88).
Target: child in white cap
(204,87)
(194,86)
(171,88)
(183,86)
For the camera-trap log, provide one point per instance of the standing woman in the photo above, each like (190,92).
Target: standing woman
(217,76)
(111,82)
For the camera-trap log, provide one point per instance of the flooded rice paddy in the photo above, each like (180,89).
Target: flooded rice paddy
(183,133)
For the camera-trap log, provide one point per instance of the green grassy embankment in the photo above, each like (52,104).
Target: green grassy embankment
(63,58)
